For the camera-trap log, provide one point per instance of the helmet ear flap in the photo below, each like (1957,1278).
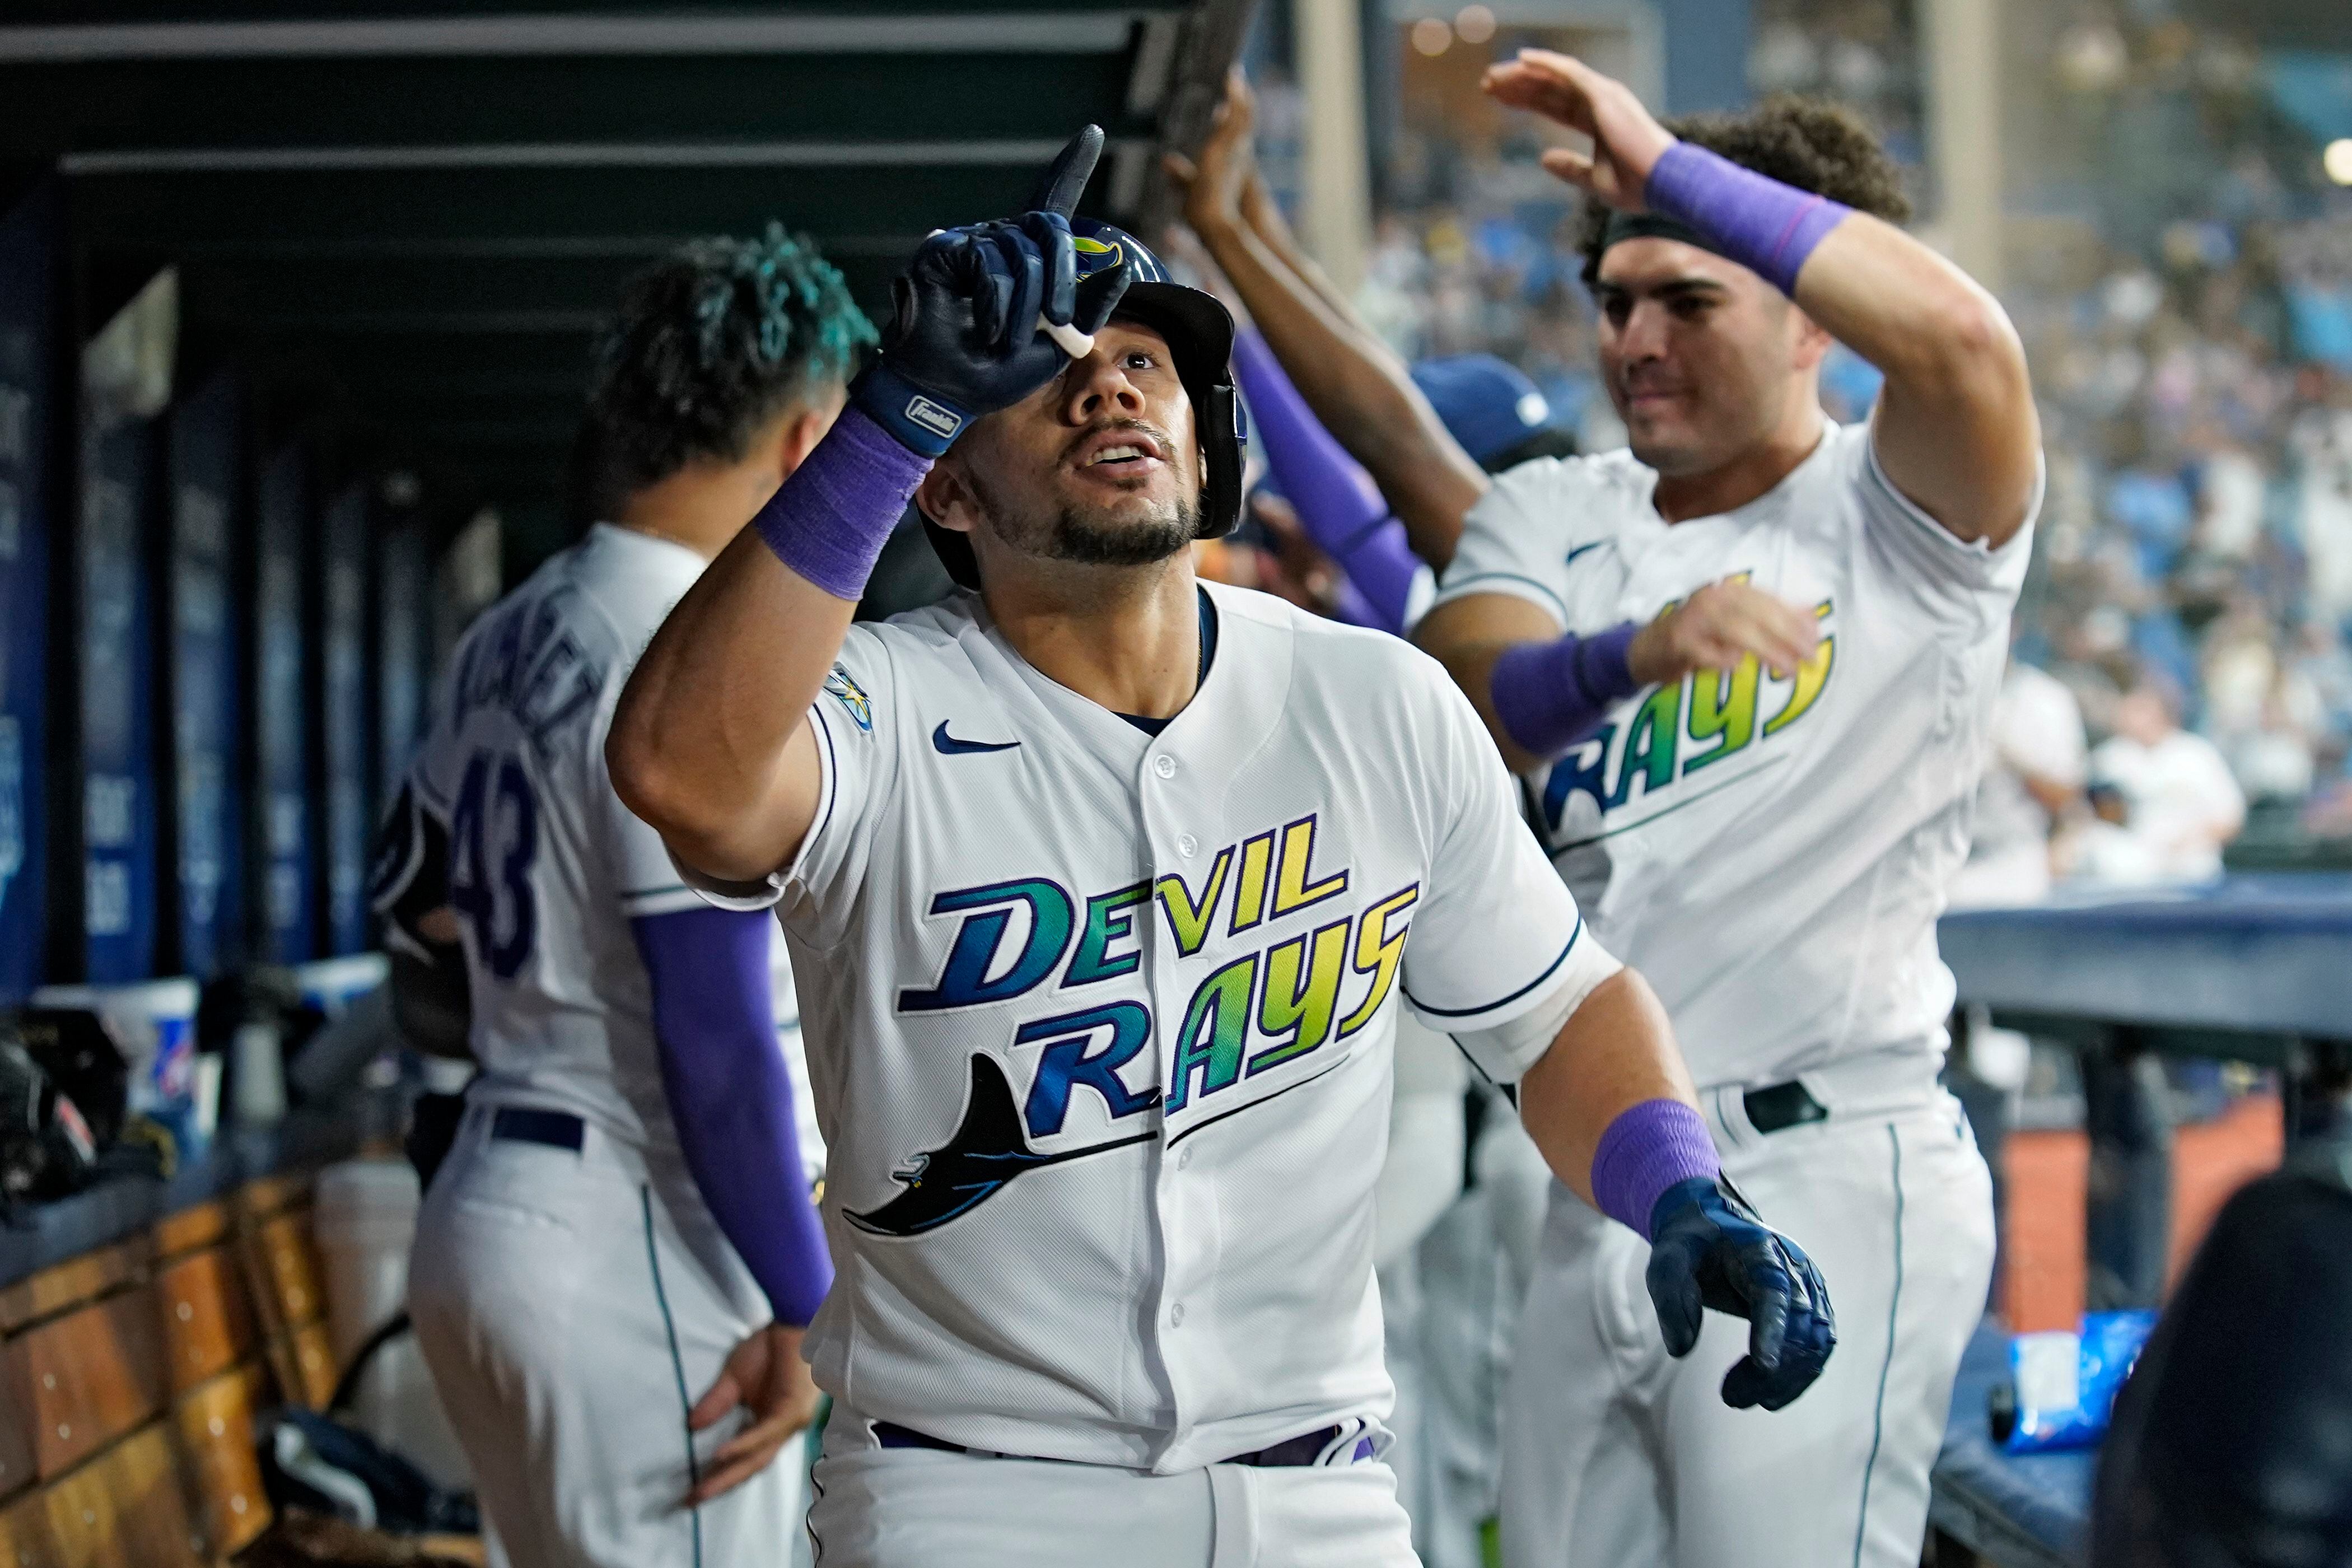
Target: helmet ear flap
(1222,436)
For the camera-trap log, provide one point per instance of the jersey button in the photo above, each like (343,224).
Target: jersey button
(1176,1315)
(1164,765)
(1187,846)
(1184,1161)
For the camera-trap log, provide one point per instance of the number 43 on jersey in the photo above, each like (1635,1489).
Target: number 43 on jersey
(493,841)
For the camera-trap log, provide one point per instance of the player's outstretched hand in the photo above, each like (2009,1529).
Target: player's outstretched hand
(1717,627)
(766,1376)
(967,332)
(1708,1248)
(1215,181)
(1627,139)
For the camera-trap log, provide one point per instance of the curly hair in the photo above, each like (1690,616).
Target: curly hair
(708,346)
(1800,142)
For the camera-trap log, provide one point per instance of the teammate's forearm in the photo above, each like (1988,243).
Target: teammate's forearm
(1368,403)
(1336,501)
(702,742)
(1537,691)
(730,1098)
(1611,1105)
(1548,697)
(1265,218)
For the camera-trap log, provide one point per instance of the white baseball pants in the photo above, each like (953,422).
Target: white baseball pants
(922,1507)
(571,1316)
(1616,1456)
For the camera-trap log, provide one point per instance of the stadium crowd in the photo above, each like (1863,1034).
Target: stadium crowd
(2192,345)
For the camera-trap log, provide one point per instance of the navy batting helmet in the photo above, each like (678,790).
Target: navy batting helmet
(1200,334)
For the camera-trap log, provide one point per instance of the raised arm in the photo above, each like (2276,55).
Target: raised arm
(1956,429)
(1355,387)
(1336,501)
(710,744)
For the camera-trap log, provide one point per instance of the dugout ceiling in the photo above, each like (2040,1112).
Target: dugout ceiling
(404,223)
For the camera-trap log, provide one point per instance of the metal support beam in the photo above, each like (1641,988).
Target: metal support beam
(1336,220)
(1963,49)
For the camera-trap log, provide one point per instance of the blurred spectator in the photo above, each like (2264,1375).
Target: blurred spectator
(2106,849)
(2182,803)
(2033,776)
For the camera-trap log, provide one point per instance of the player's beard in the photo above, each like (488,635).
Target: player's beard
(1092,536)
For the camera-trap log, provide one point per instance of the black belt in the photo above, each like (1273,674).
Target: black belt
(1291,1453)
(528,1124)
(1779,1107)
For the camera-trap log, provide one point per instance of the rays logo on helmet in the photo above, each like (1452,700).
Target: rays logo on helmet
(1096,254)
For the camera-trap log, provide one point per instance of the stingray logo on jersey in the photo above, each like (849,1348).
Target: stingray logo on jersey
(1676,734)
(1268,1006)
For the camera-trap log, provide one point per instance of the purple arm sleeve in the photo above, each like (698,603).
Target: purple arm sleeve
(1337,501)
(1551,695)
(731,1099)
(1647,1149)
(1765,226)
(829,521)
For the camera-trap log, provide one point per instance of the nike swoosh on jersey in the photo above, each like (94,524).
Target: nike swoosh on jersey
(986,1150)
(947,745)
(1580,549)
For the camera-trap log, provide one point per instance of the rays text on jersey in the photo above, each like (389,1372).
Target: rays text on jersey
(1674,733)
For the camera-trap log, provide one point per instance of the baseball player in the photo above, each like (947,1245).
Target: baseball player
(614,1268)
(1745,670)
(1103,888)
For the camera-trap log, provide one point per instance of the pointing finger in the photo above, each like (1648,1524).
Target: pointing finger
(1067,179)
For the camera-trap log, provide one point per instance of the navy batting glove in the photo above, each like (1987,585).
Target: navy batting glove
(964,337)
(1708,1248)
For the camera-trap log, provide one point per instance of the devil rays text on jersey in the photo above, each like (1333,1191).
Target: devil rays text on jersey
(1315,988)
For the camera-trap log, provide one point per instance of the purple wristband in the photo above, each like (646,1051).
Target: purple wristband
(1647,1149)
(1551,695)
(829,521)
(1765,226)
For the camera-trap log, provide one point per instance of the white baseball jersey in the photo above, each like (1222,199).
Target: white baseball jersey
(546,865)
(571,1302)
(1769,850)
(1098,1023)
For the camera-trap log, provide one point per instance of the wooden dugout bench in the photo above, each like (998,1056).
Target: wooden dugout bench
(142,1326)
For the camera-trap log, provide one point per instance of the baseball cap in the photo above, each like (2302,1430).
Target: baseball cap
(1487,405)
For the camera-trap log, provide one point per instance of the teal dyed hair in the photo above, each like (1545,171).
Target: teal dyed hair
(708,346)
